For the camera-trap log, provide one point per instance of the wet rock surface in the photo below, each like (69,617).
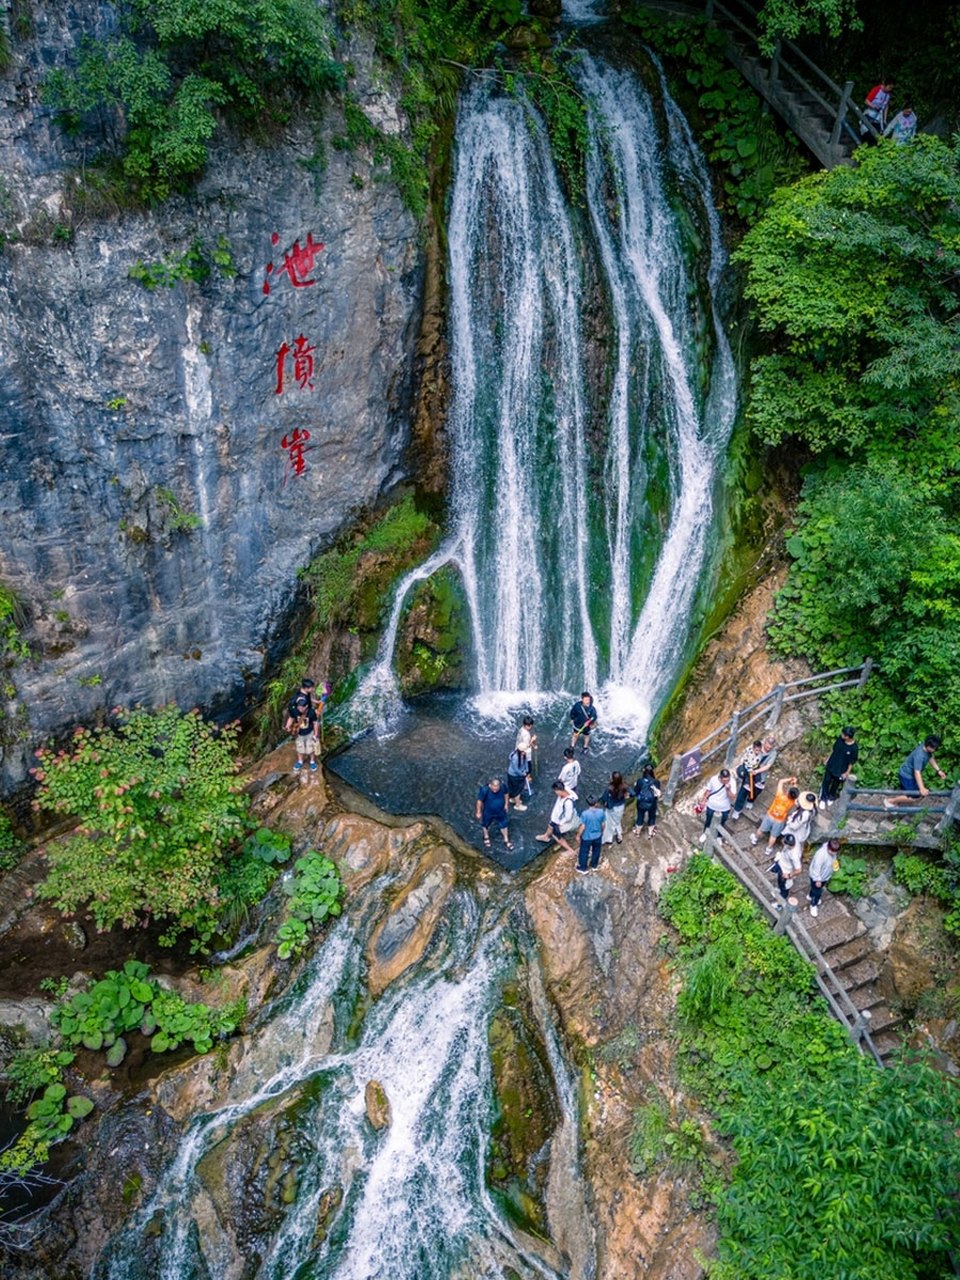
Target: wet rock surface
(153,525)
(404,934)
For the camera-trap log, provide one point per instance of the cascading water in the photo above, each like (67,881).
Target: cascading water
(412,1201)
(559,596)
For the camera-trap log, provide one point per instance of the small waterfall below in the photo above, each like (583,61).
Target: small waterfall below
(410,1202)
(581,514)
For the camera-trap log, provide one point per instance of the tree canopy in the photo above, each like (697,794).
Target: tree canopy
(856,279)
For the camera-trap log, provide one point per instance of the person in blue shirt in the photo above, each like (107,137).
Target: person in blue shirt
(910,777)
(492,811)
(591,835)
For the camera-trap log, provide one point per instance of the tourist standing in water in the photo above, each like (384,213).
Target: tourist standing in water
(570,770)
(591,835)
(614,799)
(583,717)
(647,791)
(563,818)
(492,810)
(526,742)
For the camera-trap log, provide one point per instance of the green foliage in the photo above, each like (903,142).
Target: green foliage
(738,135)
(656,1139)
(267,846)
(31,1070)
(314,893)
(12,646)
(865,1158)
(335,579)
(126,1000)
(941,879)
(159,806)
(175,518)
(855,274)
(196,263)
(852,877)
(11,848)
(788,19)
(174,63)
(50,1117)
(547,83)
(856,277)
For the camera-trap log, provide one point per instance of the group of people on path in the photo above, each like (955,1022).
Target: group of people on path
(874,123)
(788,822)
(598,823)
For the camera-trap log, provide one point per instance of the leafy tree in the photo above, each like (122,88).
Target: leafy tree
(158,83)
(788,19)
(856,275)
(159,805)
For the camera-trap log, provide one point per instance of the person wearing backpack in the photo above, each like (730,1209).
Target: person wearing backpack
(717,801)
(563,817)
(647,791)
(516,780)
(302,722)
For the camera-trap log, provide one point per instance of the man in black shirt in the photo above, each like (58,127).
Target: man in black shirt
(583,717)
(839,763)
(302,722)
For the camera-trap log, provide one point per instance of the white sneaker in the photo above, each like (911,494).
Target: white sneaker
(734,816)
(748,805)
(821,804)
(702,838)
(829,804)
(520,808)
(814,911)
(754,839)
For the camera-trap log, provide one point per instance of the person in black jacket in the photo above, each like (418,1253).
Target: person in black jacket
(839,763)
(583,717)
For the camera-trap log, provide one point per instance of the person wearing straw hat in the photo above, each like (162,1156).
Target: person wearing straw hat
(800,819)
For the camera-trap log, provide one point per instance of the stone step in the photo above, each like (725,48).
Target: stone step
(834,933)
(857,975)
(886,1043)
(866,997)
(848,953)
(881,1019)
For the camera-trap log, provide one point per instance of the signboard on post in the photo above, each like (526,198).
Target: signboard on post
(690,765)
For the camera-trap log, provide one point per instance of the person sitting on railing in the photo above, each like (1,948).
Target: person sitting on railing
(839,763)
(910,776)
(752,774)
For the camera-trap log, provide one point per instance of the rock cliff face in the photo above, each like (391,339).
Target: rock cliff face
(168,462)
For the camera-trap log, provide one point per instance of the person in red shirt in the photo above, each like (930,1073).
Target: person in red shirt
(877,103)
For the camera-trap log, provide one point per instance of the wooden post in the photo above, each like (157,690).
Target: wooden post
(774,72)
(673,781)
(784,917)
(865,670)
(834,139)
(840,812)
(777,707)
(950,813)
(731,755)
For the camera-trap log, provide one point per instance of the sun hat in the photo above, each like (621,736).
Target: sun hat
(807,800)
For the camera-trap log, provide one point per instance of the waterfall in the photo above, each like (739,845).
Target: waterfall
(581,517)
(413,1199)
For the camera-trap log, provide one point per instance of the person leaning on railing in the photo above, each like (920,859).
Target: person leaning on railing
(752,773)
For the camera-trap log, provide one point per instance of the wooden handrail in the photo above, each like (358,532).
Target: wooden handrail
(736,725)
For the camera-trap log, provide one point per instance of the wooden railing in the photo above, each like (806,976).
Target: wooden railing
(787,922)
(944,805)
(688,764)
(787,71)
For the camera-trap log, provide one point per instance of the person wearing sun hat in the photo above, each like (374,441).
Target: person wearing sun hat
(800,820)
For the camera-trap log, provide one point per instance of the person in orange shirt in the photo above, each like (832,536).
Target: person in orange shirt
(785,799)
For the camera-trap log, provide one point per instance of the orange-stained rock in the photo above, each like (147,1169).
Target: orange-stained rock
(363,849)
(401,938)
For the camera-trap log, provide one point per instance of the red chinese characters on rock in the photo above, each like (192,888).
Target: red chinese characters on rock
(297,263)
(296,445)
(302,355)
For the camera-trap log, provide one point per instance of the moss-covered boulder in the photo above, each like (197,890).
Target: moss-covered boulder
(433,646)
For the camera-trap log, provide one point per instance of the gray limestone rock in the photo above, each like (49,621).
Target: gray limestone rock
(153,521)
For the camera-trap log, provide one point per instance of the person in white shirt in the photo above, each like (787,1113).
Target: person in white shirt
(717,800)
(570,773)
(822,867)
(788,864)
(564,818)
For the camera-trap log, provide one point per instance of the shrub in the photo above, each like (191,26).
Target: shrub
(159,805)
(866,1158)
(314,892)
(126,1000)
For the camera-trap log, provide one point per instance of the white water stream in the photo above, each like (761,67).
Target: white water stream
(415,1204)
(581,530)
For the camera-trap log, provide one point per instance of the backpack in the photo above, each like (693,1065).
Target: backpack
(298,709)
(644,791)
